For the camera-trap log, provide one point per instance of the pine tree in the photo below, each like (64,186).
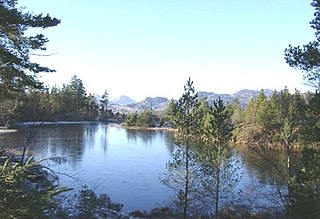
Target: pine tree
(17,72)
(307,57)
(280,128)
(216,154)
(181,168)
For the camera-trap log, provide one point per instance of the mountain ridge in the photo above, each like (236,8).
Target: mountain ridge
(159,104)
(123,100)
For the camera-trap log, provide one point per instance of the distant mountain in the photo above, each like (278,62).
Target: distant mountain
(123,101)
(245,95)
(158,104)
(153,103)
(227,98)
(125,104)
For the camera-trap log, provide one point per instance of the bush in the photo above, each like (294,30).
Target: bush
(25,190)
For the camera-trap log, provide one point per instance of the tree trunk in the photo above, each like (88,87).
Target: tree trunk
(289,169)
(217,193)
(186,189)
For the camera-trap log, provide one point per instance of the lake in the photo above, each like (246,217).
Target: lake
(124,163)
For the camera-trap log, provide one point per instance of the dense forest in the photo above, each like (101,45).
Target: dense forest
(283,130)
(70,102)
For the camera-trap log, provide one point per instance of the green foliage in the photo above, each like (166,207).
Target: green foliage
(305,185)
(201,170)
(145,119)
(25,191)
(182,169)
(132,119)
(307,57)
(220,169)
(76,95)
(175,178)
(218,130)
(280,117)
(273,129)
(185,116)
(311,128)
(237,113)
(71,102)
(104,100)
(104,114)
(305,198)
(17,72)
(171,112)
(90,206)
(36,106)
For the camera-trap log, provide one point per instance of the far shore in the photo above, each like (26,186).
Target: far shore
(4,130)
(146,128)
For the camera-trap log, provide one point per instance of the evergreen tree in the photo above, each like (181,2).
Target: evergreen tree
(147,119)
(307,57)
(105,100)
(237,113)
(131,119)
(182,167)
(311,128)
(103,106)
(36,106)
(278,131)
(171,112)
(252,117)
(92,107)
(305,186)
(216,154)
(78,94)
(17,72)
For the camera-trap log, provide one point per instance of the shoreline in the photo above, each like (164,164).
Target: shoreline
(4,130)
(145,128)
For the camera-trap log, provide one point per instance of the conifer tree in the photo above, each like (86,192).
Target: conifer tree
(280,126)
(216,154)
(17,72)
(181,168)
(307,57)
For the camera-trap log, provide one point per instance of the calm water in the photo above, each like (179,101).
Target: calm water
(125,164)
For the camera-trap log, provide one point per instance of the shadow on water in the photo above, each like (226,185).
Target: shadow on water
(54,140)
(123,163)
(148,137)
(126,163)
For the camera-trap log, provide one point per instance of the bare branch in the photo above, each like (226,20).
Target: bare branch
(51,54)
(4,65)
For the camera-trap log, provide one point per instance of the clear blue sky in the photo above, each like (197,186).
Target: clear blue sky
(146,48)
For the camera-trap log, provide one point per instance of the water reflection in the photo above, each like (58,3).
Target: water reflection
(267,170)
(168,139)
(125,163)
(146,136)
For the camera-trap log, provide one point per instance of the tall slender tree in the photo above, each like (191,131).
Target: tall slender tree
(181,167)
(216,153)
